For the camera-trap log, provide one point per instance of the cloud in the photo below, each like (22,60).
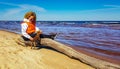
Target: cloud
(107,12)
(105,9)
(10,4)
(12,12)
(112,6)
(32,7)
(21,7)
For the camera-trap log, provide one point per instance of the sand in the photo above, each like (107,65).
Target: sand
(14,56)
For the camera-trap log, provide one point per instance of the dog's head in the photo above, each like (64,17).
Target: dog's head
(39,32)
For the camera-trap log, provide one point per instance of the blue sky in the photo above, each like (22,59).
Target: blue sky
(60,10)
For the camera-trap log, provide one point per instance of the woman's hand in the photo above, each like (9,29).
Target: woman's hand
(31,39)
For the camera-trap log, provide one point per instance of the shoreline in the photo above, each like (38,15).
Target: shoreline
(96,56)
(13,56)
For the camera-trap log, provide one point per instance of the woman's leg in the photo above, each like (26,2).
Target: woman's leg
(32,35)
(52,36)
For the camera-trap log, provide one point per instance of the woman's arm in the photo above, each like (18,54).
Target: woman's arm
(23,30)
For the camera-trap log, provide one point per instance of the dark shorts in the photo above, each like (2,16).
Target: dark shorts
(32,35)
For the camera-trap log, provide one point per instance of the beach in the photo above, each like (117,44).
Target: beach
(14,56)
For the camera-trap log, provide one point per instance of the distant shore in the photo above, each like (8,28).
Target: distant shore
(15,56)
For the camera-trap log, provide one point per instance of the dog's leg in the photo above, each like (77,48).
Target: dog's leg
(40,40)
(32,43)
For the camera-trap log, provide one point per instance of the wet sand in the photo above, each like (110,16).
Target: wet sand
(14,56)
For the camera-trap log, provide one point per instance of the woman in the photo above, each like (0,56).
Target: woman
(29,29)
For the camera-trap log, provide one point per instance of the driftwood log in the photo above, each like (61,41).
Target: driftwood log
(96,63)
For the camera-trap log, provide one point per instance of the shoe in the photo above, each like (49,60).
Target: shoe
(53,36)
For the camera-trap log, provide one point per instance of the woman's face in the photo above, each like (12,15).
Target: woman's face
(31,18)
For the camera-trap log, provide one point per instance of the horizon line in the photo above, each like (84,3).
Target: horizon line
(63,20)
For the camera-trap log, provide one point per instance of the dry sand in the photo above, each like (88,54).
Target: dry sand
(14,56)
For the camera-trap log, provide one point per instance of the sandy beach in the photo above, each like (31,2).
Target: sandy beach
(14,56)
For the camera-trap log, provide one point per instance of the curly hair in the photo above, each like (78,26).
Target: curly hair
(28,14)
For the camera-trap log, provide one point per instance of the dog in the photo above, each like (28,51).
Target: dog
(36,39)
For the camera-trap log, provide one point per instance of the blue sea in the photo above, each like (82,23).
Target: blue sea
(100,39)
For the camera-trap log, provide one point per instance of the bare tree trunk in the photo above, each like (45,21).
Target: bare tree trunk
(96,63)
